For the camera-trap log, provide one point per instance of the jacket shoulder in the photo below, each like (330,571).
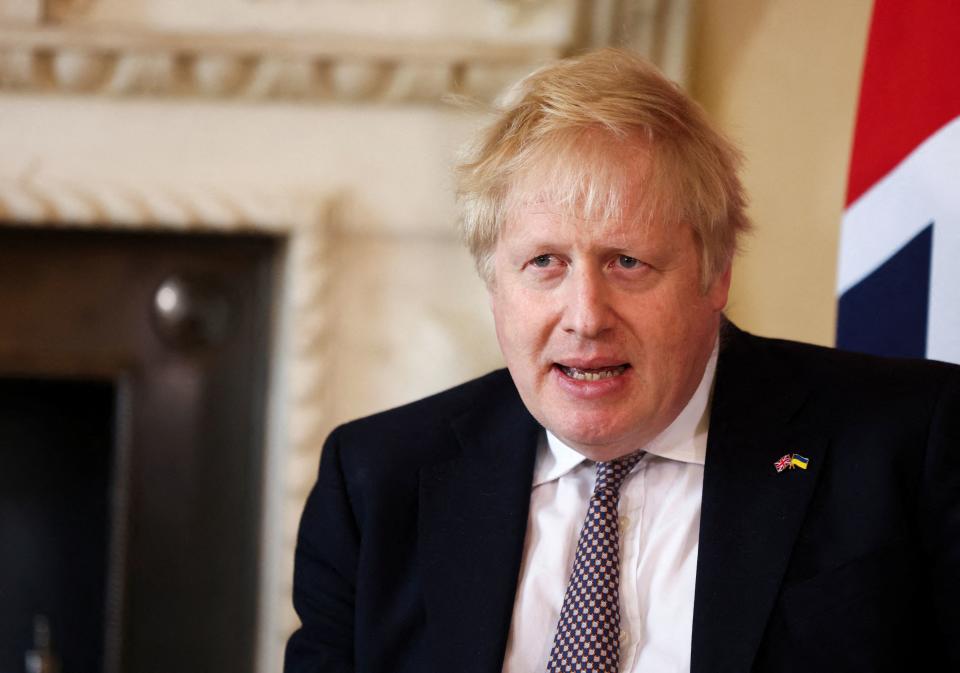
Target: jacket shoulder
(421,431)
(777,379)
(827,367)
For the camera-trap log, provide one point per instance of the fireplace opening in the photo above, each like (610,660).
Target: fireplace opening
(133,379)
(56,486)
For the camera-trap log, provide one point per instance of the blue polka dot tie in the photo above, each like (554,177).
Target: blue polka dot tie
(588,631)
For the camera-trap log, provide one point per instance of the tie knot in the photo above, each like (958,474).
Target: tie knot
(610,474)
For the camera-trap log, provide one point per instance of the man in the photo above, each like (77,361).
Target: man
(649,488)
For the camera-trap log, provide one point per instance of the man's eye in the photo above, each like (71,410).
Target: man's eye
(628,262)
(542,261)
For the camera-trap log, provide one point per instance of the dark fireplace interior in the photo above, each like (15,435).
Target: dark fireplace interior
(133,372)
(55,499)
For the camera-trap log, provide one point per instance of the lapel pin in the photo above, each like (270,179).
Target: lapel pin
(790,461)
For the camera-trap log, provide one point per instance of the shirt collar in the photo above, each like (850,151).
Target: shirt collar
(685,439)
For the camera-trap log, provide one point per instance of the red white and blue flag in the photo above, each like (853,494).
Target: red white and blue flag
(899,274)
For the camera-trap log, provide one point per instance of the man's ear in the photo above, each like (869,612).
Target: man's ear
(719,289)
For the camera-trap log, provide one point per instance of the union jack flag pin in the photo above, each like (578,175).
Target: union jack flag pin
(783,463)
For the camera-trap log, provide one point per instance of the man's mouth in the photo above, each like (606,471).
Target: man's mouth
(597,374)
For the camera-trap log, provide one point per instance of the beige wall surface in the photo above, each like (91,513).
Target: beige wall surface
(782,78)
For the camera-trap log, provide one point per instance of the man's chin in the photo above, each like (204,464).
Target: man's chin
(596,444)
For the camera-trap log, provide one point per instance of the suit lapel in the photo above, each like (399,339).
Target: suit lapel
(473,516)
(751,514)
(474,507)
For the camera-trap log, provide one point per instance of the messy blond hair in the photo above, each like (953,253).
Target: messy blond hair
(551,144)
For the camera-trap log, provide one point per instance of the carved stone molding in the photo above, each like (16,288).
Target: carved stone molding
(298,413)
(657,29)
(308,68)
(30,11)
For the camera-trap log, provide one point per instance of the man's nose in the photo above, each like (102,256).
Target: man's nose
(587,311)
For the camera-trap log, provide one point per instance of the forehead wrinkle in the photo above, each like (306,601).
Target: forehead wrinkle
(583,167)
(632,198)
(613,234)
(542,227)
(632,208)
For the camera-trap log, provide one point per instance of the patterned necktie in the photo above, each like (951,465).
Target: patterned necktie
(588,631)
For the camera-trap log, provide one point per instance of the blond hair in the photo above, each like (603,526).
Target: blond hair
(551,143)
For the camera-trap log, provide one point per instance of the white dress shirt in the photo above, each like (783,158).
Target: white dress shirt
(659,528)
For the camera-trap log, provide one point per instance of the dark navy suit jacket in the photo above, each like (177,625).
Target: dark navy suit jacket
(411,540)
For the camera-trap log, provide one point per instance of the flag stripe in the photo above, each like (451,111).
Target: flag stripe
(921,189)
(911,86)
(886,312)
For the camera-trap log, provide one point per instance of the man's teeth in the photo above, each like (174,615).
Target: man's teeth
(593,374)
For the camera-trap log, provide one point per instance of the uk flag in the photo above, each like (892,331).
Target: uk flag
(899,272)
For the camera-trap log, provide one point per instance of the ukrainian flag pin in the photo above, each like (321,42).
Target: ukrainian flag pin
(799,461)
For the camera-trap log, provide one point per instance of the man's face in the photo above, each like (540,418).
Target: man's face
(603,325)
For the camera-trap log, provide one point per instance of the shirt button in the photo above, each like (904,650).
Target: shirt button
(624,523)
